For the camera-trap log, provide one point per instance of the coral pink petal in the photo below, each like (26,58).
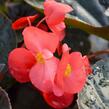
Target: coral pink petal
(42,75)
(57,91)
(48,7)
(76,60)
(36,39)
(65,48)
(47,54)
(61,69)
(20,62)
(55,18)
(59,30)
(87,65)
(76,80)
(55,11)
(58,102)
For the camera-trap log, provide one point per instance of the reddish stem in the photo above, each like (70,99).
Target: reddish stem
(98,53)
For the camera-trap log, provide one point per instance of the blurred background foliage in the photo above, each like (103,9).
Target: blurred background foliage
(90,11)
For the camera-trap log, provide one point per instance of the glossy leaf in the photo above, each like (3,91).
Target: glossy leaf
(102,32)
(82,13)
(96,10)
(4,100)
(71,21)
(7,38)
(38,5)
(93,14)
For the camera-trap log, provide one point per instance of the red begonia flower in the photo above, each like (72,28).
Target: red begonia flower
(55,14)
(58,102)
(20,61)
(23,67)
(42,74)
(23,22)
(36,39)
(71,74)
(43,45)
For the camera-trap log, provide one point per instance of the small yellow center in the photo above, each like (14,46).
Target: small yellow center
(40,58)
(68,70)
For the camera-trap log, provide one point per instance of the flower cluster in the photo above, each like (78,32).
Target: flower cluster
(57,79)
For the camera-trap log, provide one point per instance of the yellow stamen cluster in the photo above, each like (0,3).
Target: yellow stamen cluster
(68,70)
(40,58)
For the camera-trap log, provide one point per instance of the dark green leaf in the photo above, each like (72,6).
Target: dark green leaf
(4,100)
(95,10)
(7,38)
(77,40)
(38,5)
(102,32)
(32,98)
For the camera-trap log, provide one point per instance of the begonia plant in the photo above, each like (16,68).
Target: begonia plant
(58,79)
